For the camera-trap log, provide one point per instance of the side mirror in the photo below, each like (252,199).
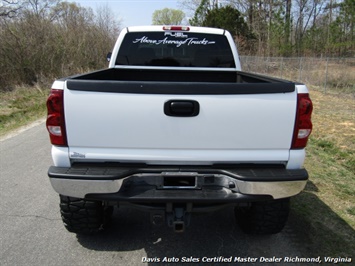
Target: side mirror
(108,57)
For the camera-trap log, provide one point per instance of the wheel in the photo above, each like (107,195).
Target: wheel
(263,218)
(82,216)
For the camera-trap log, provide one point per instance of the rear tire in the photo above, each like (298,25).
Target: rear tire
(82,216)
(263,218)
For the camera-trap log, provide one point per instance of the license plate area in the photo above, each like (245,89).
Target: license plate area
(179,181)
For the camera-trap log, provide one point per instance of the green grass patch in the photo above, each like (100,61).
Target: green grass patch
(351,211)
(325,210)
(21,106)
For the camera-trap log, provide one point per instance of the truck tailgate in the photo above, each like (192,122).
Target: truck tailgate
(133,127)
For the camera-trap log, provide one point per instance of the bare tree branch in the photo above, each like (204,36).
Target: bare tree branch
(9,8)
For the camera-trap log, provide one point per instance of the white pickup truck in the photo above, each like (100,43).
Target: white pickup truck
(174,126)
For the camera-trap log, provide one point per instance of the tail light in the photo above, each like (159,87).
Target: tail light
(55,119)
(303,124)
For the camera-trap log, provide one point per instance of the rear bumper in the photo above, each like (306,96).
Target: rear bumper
(177,184)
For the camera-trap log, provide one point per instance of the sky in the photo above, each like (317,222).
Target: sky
(131,12)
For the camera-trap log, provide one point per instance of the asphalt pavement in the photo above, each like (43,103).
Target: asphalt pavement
(32,233)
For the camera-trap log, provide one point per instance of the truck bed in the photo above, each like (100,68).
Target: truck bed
(126,115)
(155,81)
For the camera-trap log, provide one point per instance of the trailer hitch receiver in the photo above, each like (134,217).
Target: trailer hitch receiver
(178,217)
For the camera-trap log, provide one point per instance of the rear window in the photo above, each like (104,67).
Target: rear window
(176,49)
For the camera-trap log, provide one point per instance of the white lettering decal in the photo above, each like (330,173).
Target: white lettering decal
(178,43)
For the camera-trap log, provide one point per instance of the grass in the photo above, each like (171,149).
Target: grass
(331,75)
(327,205)
(325,210)
(21,106)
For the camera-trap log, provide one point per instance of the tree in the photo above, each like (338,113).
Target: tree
(330,30)
(168,16)
(192,5)
(232,20)
(201,13)
(9,8)
(227,18)
(52,38)
(348,15)
(287,35)
(341,37)
(289,27)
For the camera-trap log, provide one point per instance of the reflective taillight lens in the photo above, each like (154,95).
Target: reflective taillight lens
(303,124)
(55,118)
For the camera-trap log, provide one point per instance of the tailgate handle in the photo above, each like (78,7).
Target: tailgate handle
(182,108)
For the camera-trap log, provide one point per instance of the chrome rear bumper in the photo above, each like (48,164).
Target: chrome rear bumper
(199,184)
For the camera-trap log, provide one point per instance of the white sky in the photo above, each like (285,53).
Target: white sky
(133,12)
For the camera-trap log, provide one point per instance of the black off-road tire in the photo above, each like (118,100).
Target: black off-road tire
(263,218)
(84,217)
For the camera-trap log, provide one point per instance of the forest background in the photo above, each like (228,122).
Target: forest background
(45,39)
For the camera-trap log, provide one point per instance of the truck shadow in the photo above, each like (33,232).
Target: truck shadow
(216,234)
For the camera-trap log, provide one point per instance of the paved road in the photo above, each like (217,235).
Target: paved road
(31,230)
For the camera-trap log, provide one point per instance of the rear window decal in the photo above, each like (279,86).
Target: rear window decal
(178,43)
(175,49)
